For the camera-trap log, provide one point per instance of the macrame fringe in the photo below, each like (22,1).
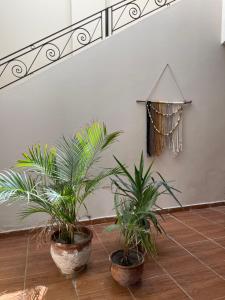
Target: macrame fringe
(164,127)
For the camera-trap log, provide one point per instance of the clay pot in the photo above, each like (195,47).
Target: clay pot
(71,257)
(127,275)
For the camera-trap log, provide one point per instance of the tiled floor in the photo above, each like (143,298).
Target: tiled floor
(190,265)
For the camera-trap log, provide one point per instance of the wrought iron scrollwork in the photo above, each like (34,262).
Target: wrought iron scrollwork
(128,12)
(83,36)
(160,2)
(62,43)
(18,68)
(134,11)
(52,53)
(44,52)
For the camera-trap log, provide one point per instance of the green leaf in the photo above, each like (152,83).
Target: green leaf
(112,227)
(135,199)
(39,160)
(14,186)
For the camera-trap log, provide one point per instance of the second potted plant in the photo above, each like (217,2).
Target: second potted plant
(135,198)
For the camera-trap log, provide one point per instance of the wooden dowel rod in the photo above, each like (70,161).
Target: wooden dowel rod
(184,102)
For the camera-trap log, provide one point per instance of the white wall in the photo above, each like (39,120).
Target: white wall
(26,21)
(223,24)
(105,81)
(82,9)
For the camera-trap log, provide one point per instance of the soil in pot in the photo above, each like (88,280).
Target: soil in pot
(77,238)
(71,258)
(127,270)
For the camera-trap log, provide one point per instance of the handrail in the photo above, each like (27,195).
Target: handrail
(45,51)
(48,36)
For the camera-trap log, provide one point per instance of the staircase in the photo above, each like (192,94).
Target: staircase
(74,38)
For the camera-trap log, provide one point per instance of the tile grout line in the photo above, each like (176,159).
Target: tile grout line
(202,262)
(173,279)
(212,222)
(132,296)
(99,239)
(200,216)
(220,298)
(216,210)
(202,234)
(75,288)
(25,270)
(74,280)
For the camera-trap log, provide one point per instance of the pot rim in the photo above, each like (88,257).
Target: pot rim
(80,243)
(127,267)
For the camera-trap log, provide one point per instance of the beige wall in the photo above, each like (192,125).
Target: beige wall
(223,24)
(26,21)
(105,81)
(82,9)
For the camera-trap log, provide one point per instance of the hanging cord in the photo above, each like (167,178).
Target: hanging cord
(159,79)
(165,114)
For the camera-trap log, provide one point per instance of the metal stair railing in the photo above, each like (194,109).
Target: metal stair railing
(73,38)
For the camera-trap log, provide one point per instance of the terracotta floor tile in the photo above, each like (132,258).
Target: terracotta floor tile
(186,236)
(12,266)
(105,237)
(13,246)
(208,212)
(183,215)
(201,285)
(213,231)
(178,261)
(191,219)
(196,222)
(183,234)
(220,208)
(220,269)
(99,260)
(157,288)
(221,241)
(108,294)
(212,215)
(92,284)
(11,287)
(164,242)
(96,244)
(208,252)
(41,263)
(111,246)
(103,234)
(101,228)
(151,268)
(44,280)
(58,291)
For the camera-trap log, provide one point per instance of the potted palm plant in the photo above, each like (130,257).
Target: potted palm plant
(57,181)
(135,200)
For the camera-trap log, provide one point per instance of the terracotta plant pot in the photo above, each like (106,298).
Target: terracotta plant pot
(127,275)
(71,257)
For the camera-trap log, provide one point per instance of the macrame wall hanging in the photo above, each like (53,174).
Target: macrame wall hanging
(164,121)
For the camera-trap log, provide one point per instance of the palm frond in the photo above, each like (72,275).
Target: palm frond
(14,185)
(93,183)
(39,160)
(68,160)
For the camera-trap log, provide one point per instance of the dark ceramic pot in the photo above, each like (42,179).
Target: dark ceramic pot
(127,275)
(71,257)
